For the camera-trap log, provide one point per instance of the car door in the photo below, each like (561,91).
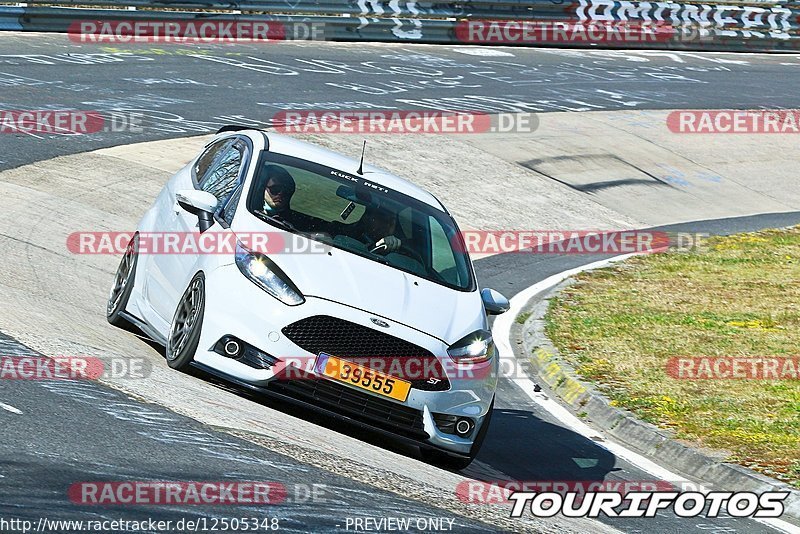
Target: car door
(218,171)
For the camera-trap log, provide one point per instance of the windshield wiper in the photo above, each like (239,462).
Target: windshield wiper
(369,255)
(277,222)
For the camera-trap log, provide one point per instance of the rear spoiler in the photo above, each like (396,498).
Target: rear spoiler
(239,128)
(236,128)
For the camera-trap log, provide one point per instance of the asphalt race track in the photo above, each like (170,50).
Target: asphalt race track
(184,90)
(83,437)
(69,433)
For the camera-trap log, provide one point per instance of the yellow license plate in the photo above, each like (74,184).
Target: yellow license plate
(362,377)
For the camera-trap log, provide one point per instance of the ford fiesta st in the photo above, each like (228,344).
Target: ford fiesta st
(330,283)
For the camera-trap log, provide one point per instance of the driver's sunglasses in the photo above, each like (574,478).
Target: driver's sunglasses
(277,188)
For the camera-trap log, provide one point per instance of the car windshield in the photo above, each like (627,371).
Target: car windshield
(351,213)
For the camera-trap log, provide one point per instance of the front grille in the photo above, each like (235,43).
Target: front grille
(360,344)
(364,407)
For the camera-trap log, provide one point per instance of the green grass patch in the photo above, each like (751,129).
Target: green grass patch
(522,317)
(738,297)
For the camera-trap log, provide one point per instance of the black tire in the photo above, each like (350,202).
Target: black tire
(457,463)
(123,284)
(184,332)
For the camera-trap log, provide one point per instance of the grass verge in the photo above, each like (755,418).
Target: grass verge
(737,297)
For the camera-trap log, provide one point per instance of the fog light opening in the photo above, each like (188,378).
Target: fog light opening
(232,348)
(464,426)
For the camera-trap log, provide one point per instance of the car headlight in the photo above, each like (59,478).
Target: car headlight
(476,347)
(263,272)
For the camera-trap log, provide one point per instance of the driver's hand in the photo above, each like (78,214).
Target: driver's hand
(390,242)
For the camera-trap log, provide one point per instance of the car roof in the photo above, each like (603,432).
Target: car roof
(289,146)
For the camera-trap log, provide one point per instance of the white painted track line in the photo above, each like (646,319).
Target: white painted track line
(9,408)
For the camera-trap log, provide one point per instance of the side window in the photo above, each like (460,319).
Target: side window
(441,252)
(405,221)
(443,259)
(222,176)
(230,207)
(206,160)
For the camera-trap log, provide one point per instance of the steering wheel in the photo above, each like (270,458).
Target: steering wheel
(413,254)
(410,252)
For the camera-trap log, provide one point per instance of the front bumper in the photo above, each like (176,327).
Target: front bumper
(236,307)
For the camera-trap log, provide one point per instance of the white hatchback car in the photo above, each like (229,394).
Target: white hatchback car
(363,302)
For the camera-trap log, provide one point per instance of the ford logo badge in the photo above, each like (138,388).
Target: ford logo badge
(382,324)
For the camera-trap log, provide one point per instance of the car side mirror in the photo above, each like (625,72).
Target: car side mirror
(494,302)
(201,203)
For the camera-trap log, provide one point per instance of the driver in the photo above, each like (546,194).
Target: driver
(278,192)
(374,229)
